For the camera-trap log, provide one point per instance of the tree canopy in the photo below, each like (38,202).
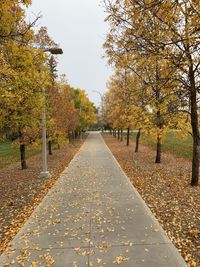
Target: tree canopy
(158,42)
(29,82)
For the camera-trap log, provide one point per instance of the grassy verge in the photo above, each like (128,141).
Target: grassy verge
(10,154)
(180,147)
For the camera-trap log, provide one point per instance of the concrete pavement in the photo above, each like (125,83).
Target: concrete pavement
(92,217)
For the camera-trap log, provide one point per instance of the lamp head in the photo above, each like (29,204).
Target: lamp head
(54,51)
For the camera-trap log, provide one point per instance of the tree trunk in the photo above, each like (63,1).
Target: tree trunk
(195,162)
(73,135)
(50,147)
(137,140)
(128,136)
(76,134)
(118,134)
(195,130)
(121,139)
(158,150)
(160,123)
(23,156)
(69,136)
(22,149)
(159,119)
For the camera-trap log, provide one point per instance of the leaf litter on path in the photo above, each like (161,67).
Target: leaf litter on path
(166,189)
(22,190)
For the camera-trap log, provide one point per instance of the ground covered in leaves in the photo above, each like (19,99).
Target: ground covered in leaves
(21,191)
(166,189)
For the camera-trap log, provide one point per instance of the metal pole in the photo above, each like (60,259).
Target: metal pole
(44,173)
(102,112)
(81,125)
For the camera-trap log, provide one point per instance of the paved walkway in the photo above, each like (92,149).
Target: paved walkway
(92,217)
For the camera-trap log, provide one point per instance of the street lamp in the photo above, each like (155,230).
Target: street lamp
(45,173)
(54,51)
(80,113)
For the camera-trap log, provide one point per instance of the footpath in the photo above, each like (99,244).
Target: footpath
(92,217)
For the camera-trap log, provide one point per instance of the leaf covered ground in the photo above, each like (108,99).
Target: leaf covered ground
(21,191)
(166,189)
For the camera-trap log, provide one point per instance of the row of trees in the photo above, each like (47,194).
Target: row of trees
(28,82)
(154,46)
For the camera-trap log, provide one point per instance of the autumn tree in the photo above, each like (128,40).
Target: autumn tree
(62,116)
(21,99)
(125,107)
(13,24)
(28,83)
(168,33)
(87,112)
(120,102)
(127,46)
(23,74)
(180,20)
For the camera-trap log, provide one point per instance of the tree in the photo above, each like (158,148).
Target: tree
(168,31)
(127,46)
(22,75)
(62,116)
(21,97)
(28,83)
(182,29)
(87,111)
(12,20)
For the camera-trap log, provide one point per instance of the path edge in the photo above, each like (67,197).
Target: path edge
(37,208)
(150,213)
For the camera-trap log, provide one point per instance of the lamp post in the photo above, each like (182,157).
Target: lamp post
(45,173)
(80,122)
(102,106)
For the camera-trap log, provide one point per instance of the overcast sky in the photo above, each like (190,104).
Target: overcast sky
(78,27)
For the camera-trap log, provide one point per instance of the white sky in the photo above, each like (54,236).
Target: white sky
(78,27)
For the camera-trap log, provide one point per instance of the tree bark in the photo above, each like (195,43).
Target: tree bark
(23,156)
(159,119)
(195,130)
(137,140)
(158,150)
(50,147)
(121,139)
(128,136)
(22,149)
(76,134)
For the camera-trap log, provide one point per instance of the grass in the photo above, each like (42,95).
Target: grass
(180,147)
(10,154)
